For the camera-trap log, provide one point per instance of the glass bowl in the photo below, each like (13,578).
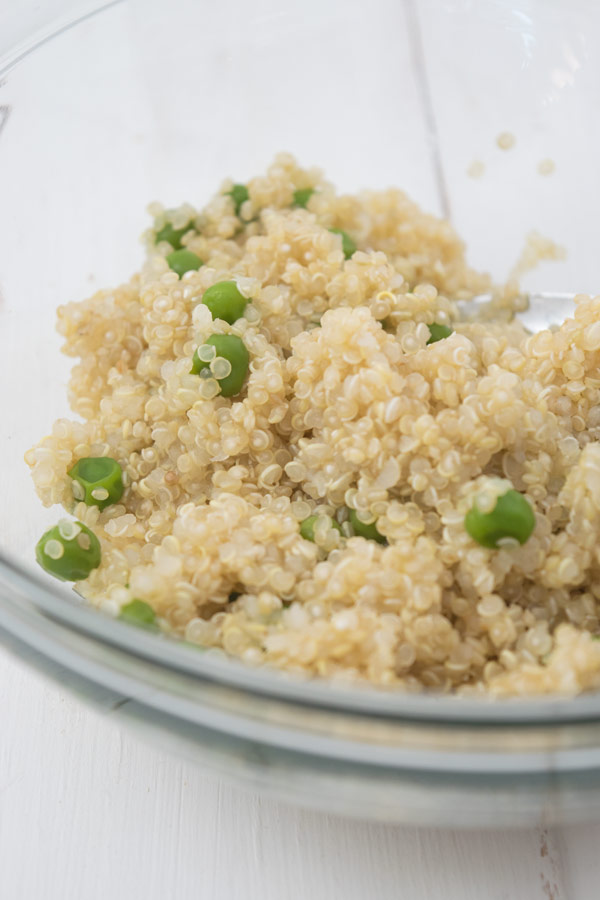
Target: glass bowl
(113,105)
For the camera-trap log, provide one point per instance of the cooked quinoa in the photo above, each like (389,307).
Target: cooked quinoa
(349,414)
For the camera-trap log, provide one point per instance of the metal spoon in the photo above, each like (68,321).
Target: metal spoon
(543,309)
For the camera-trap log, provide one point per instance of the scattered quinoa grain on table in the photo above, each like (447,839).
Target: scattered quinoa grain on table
(476,169)
(310,461)
(506,140)
(546,167)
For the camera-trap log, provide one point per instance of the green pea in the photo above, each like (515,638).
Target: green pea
(68,551)
(365,530)
(225,301)
(173,235)
(307,527)
(233,349)
(302,196)
(511,517)
(97,480)
(239,194)
(138,612)
(182,261)
(348,245)
(438,332)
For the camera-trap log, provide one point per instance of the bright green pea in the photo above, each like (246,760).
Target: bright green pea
(239,194)
(68,551)
(97,480)
(438,332)
(173,235)
(302,196)
(138,612)
(182,261)
(307,527)
(365,530)
(348,245)
(512,517)
(232,348)
(225,301)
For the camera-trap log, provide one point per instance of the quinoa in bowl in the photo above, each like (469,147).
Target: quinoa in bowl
(290,445)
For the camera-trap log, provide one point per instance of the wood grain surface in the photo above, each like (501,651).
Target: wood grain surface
(87,811)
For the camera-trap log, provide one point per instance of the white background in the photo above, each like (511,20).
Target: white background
(86,810)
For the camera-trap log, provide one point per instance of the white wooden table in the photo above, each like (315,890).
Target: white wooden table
(89,812)
(86,810)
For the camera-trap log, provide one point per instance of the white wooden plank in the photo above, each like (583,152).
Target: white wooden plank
(530,69)
(579,859)
(105,815)
(86,810)
(325,81)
